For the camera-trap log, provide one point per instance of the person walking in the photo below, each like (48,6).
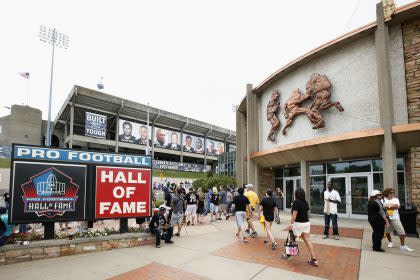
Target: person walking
(214,204)
(223,207)
(177,206)
(200,206)
(192,202)
(391,205)
(229,200)
(278,196)
(331,200)
(253,201)
(300,224)
(267,206)
(377,219)
(240,204)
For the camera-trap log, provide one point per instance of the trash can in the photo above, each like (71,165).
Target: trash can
(408,217)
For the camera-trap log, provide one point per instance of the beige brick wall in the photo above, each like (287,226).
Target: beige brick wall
(411,40)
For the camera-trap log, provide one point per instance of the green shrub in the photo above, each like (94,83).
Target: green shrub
(214,181)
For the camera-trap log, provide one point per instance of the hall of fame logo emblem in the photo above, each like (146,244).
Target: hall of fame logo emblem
(49,193)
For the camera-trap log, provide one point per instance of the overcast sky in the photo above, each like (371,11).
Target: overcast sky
(188,57)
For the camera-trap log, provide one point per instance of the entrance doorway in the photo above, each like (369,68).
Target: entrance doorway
(354,192)
(290,183)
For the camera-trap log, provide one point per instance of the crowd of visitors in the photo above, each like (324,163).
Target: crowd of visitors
(185,206)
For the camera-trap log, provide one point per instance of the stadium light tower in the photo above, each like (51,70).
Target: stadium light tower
(51,36)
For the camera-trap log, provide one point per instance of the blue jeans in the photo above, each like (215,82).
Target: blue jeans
(327,219)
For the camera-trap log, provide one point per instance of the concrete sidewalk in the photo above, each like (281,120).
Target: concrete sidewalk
(210,251)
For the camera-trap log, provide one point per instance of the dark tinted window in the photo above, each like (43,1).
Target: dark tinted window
(318,169)
(292,171)
(377,165)
(278,173)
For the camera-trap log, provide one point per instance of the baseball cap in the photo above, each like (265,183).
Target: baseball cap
(162,208)
(375,193)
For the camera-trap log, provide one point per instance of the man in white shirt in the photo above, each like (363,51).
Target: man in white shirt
(391,205)
(331,200)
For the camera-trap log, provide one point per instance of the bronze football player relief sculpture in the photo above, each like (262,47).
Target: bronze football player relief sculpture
(316,90)
(273,107)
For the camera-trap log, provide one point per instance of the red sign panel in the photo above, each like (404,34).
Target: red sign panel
(122,192)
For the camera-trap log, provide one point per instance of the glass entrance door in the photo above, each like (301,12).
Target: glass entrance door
(359,189)
(290,183)
(354,192)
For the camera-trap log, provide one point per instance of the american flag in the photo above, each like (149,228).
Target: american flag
(24,74)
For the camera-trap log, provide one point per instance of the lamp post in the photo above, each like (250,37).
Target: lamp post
(56,39)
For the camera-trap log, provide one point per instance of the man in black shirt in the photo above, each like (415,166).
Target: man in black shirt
(160,227)
(268,204)
(239,205)
(192,201)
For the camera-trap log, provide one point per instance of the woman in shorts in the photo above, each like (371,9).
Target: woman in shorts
(268,204)
(300,224)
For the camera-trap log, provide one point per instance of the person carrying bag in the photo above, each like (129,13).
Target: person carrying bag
(291,247)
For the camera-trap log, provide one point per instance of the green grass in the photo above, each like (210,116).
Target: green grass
(4,163)
(179,174)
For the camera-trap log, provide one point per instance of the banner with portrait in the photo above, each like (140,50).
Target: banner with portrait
(192,144)
(214,147)
(167,139)
(134,133)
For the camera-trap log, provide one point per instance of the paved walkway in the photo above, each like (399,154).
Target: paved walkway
(210,251)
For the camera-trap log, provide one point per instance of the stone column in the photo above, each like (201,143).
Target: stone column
(305,180)
(389,160)
(241,170)
(251,135)
(71,126)
(411,37)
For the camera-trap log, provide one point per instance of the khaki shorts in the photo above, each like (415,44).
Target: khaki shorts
(222,207)
(395,225)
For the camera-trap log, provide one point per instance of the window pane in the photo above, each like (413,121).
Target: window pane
(278,183)
(292,171)
(377,164)
(378,181)
(359,166)
(318,169)
(401,187)
(400,164)
(289,192)
(337,167)
(318,184)
(278,173)
(349,167)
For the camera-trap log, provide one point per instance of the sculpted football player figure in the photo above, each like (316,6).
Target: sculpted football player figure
(273,107)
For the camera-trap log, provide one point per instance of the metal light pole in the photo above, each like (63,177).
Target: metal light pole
(56,39)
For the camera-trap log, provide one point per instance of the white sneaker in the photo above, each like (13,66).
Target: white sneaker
(390,245)
(406,249)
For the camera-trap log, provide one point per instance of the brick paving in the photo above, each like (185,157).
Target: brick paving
(335,262)
(155,271)
(344,232)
